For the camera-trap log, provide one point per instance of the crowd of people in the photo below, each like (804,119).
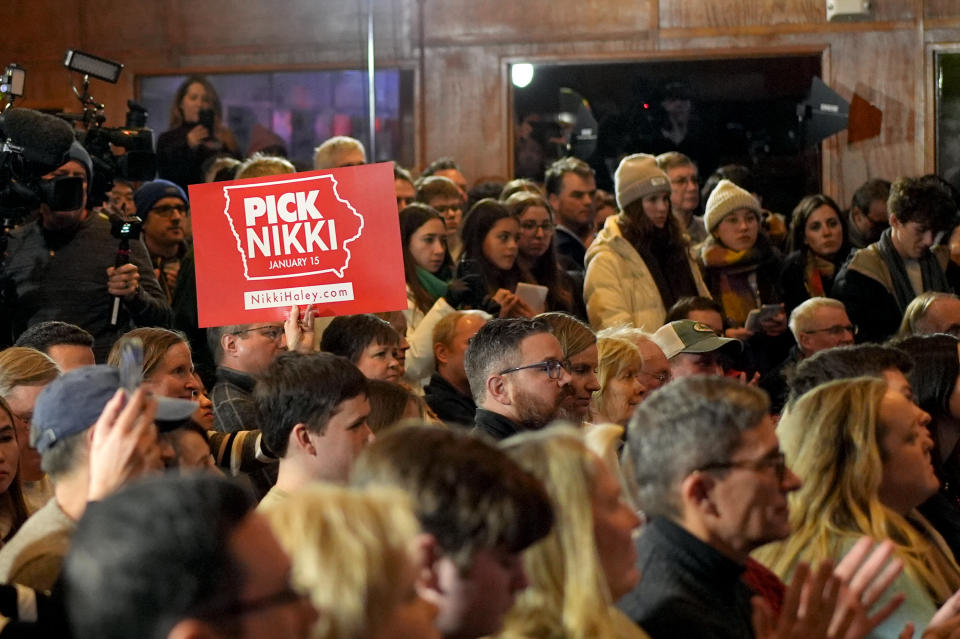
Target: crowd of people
(685,416)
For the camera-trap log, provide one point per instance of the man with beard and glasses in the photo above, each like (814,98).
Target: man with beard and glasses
(517,375)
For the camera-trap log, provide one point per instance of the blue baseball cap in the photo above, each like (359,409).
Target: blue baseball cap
(72,403)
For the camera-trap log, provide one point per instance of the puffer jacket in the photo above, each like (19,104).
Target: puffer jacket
(619,288)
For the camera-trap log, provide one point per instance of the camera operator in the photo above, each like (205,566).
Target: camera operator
(61,267)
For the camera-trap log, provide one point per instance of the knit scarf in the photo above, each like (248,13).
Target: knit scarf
(732,278)
(934,279)
(815,271)
(431,283)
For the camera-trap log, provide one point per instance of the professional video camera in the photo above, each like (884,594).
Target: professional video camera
(117,152)
(33,144)
(138,162)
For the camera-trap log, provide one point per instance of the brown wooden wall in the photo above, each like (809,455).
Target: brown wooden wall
(461,49)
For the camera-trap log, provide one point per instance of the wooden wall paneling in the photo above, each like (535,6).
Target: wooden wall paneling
(125,29)
(941,9)
(887,70)
(486,150)
(510,21)
(726,14)
(34,29)
(720,14)
(463,109)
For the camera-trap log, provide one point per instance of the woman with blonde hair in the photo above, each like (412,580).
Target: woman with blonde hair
(24,373)
(587,561)
(353,556)
(13,509)
(620,374)
(863,451)
(579,345)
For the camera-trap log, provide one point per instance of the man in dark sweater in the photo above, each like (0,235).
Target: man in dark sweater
(570,188)
(61,267)
(711,476)
(448,393)
(517,376)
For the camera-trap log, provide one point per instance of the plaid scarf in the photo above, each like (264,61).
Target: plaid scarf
(732,278)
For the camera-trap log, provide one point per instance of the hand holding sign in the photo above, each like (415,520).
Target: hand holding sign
(299,329)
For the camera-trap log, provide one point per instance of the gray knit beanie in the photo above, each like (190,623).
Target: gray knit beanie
(726,198)
(638,175)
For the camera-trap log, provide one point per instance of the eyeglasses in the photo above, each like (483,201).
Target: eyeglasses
(531,227)
(552,367)
(777,462)
(166,210)
(272,333)
(448,209)
(662,378)
(282,597)
(836,331)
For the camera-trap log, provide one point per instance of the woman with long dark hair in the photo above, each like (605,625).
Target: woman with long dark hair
(537,256)
(427,270)
(818,247)
(639,265)
(182,150)
(491,239)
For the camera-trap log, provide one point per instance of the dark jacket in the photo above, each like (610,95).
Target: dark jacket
(570,250)
(864,285)
(688,588)
(775,382)
(64,277)
(448,403)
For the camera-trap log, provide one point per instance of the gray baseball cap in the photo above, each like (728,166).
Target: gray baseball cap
(72,403)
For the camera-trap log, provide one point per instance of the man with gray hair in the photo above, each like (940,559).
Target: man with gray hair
(712,480)
(339,151)
(817,324)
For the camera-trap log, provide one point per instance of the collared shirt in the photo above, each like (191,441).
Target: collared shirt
(688,588)
(494,424)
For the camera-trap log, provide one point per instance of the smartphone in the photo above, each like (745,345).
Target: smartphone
(762,314)
(206,119)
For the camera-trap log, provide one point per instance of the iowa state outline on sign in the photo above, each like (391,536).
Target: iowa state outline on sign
(307,230)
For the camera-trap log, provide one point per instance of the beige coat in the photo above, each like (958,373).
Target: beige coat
(619,288)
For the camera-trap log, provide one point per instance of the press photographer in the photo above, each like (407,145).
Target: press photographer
(60,263)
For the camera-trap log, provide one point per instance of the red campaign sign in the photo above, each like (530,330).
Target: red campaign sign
(328,238)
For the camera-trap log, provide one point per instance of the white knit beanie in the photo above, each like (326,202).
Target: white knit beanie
(638,175)
(726,198)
